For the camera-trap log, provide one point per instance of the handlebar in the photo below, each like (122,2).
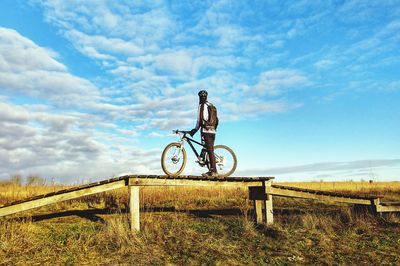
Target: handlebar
(180,131)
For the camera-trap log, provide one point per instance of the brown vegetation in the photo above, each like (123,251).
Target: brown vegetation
(198,226)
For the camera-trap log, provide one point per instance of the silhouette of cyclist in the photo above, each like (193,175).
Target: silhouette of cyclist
(207,131)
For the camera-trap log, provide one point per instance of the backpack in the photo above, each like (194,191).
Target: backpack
(212,116)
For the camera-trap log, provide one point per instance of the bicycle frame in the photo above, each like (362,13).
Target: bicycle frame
(190,141)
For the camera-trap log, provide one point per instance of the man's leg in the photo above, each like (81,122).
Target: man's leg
(209,140)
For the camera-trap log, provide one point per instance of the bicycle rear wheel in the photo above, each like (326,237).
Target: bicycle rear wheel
(173,159)
(225,160)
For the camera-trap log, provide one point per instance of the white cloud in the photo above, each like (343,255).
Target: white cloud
(177,63)
(19,54)
(143,23)
(65,146)
(101,47)
(324,63)
(278,81)
(32,70)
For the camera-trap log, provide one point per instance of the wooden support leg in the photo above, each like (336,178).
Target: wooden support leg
(134,208)
(262,203)
(269,212)
(258,211)
(377,205)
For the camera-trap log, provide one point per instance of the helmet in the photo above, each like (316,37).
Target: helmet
(203,93)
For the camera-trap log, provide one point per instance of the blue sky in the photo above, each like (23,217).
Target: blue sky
(305,90)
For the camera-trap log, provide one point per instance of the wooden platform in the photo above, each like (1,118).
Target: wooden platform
(260,189)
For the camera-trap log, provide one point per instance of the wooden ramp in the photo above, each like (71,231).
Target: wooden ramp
(374,201)
(260,189)
(295,192)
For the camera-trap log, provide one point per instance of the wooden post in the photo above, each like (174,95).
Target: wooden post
(262,199)
(134,208)
(269,212)
(258,211)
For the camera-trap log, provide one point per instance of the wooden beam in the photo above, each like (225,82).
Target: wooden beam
(60,197)
(134,203)
(308,195)
(388,208)
(190,182)
(269,212)
(257,193)
(258,211)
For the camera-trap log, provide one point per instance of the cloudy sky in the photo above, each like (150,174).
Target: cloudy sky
(305,90)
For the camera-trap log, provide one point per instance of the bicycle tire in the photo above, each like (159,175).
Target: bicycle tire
(164,166)
(233,168)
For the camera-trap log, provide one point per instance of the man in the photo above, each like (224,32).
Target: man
(207,120)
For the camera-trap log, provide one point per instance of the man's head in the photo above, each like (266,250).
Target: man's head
(203,96)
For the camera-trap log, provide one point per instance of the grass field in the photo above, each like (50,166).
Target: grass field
(199,226)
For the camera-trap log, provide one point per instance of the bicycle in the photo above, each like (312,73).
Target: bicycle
(173,159)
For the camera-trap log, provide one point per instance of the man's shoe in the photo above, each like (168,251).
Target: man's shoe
(208,174)
(214,174)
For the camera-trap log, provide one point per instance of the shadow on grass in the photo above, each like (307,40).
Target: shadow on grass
(93,214)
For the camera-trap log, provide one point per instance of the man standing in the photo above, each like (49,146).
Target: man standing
(207,120)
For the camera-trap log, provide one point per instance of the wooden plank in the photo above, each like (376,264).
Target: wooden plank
(391,203)
(68,190)
(269,212)
(257,193)
(134,203)
(60,197)
(190,177)
(307,195)
(189,182)
(258,211)
(388,208)
(328,193)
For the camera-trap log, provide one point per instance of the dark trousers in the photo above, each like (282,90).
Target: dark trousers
(209,140)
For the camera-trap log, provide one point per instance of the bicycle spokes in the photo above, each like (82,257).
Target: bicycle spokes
(173,159)
(225,160)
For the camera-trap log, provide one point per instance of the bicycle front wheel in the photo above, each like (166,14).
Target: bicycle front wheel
(225,160)
(173,159)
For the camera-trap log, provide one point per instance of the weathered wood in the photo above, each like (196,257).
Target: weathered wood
(257,193)
(60,197)
(390,203)
(134,203)
(63,191)
(328,193)
(263,207)
(191,177)
(388,208)
(269,212)
(258,211)
(190,182)
(307,195)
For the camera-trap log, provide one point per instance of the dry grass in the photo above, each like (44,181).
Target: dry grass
(197,226)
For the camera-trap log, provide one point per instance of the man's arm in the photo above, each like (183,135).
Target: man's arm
(194,130)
